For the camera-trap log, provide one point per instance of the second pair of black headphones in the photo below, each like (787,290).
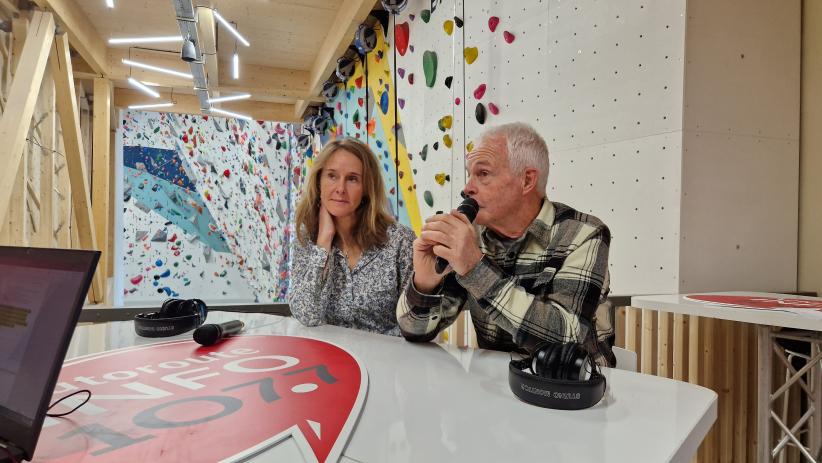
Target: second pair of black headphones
(176,316)
(562,376)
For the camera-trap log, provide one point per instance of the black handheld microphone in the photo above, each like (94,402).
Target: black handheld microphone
(469,207)
(212,333)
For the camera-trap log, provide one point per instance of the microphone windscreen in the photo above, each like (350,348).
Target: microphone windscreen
(207,335)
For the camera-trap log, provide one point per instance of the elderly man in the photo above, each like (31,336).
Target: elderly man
(531,271)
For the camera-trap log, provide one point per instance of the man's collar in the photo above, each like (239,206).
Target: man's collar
(540,228)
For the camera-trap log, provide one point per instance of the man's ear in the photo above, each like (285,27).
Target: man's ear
(529,180)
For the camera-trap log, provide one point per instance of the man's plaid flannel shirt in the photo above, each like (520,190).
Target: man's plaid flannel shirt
(551,284)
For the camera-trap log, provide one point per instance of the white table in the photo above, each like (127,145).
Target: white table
(428,402)
(772,325)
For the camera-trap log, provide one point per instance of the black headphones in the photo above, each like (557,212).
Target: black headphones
(562,376)
(175,316)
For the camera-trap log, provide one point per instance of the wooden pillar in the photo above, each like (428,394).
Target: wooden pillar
(101,161)
(648,363)
(75,156)
(741,443)
(680,349)
(45,235)
(22,99)
(663,363)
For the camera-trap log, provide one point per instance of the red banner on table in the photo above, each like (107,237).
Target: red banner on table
(179,401)
(757,302)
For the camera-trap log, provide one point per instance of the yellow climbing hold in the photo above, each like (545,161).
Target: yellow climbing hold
(470,54)
(448,26)
(445,122)
(446,139)
(440,178)
(469,147)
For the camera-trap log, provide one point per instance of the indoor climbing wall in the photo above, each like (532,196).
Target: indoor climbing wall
(431,93)
(364,109)
(206,205)
(601,82)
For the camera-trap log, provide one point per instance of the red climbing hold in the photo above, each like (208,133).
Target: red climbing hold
(493,108)
(401,33)
(479,91)
(509,37)
(226,173)
(493,22)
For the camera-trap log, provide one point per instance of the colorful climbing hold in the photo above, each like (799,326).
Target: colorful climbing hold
(384,102)
(411,79)
(401,102)
(226,173)
(457,101)
(429,66)
(425,15)
(479,113)
(469,147)
(136,280)
(493,22)
(470,54)
(429,198)
(446,140)
(509,37)
(441,178)
(493,108)
(424,153)
(479,91)
(448,26)
(445,122)
(401,34)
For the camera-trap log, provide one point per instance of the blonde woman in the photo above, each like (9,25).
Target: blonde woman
(351,259)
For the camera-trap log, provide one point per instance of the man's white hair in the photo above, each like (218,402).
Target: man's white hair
(526,148)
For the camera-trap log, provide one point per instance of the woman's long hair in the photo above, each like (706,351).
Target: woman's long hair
(373,218)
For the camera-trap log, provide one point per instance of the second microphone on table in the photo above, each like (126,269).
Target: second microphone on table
(212,333)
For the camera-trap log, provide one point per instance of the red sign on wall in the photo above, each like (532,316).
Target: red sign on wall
(179,401)
(755,302)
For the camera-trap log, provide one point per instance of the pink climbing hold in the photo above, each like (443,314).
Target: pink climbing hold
(136,280)
(509,37)
(493,22)
(493,108)
(479,91)
(457,101)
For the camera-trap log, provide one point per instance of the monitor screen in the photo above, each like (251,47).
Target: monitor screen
(41,294)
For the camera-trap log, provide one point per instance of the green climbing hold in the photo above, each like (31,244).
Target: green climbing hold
(429,66)
(425,15)
(429,198)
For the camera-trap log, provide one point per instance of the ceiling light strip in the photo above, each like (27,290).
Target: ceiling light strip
(231,29)
(149,67)
(136,83)
(230,114)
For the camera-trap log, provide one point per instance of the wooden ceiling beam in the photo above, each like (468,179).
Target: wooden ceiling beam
(82,35)
(189,104)
(264,83)
(350,15)
(207,32)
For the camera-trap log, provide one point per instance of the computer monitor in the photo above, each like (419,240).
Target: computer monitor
(42,292)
